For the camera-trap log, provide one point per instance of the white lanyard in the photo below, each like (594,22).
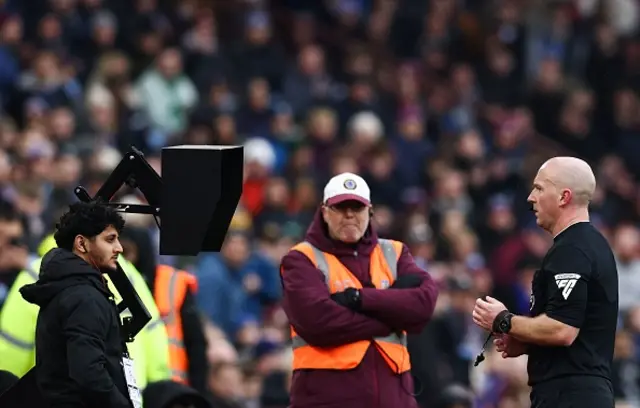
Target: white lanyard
(129,374)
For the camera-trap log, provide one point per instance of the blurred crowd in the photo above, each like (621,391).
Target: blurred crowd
(445,107)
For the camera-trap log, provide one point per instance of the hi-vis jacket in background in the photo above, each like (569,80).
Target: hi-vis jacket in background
(170,289)
(149,350)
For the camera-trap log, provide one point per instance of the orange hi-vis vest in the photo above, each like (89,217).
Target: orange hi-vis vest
(169,292)
(383,271)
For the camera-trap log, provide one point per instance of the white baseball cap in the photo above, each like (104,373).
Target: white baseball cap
(346,186)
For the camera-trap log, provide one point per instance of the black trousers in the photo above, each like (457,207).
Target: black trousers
(573,392)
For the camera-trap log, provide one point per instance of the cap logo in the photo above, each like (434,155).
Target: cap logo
(349,184)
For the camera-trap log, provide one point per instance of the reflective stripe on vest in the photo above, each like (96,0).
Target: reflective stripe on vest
(388,251)
(179,376)
(8,337)
(16,342)
(34,275)
(154,323)
(392,347)
(170,289)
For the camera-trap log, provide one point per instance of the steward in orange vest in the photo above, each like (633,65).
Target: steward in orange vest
(170,289)
(382,269)
(351,298)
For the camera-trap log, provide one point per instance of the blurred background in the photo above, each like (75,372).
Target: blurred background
(446,107)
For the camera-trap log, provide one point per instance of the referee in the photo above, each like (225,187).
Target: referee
(569,335)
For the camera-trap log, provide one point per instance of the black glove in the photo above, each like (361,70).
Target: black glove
(407,282)
(350,298)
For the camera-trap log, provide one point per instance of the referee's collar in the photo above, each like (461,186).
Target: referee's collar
(569,226)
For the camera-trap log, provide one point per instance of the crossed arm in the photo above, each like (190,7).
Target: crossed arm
(322,322)
(407,309)
(314,315)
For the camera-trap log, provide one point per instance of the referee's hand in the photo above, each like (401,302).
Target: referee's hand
(485,312)
(508,346)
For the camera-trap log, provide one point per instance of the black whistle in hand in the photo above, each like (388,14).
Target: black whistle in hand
(480,357)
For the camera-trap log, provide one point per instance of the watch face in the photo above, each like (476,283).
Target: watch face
(504,326)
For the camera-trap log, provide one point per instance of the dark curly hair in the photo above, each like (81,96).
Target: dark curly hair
(88,219)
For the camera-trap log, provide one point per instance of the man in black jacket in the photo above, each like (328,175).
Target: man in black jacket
(79,350)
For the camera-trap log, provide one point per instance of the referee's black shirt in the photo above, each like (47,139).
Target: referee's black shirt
(576,285)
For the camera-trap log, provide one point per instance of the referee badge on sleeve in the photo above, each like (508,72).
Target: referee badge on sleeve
(532,301)
(566,282)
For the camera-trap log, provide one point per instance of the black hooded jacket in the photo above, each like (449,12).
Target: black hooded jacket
(78,345)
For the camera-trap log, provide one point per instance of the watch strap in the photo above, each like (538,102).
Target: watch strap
(502,322)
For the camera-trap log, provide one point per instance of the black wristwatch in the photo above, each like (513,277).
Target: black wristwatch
(502,322)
